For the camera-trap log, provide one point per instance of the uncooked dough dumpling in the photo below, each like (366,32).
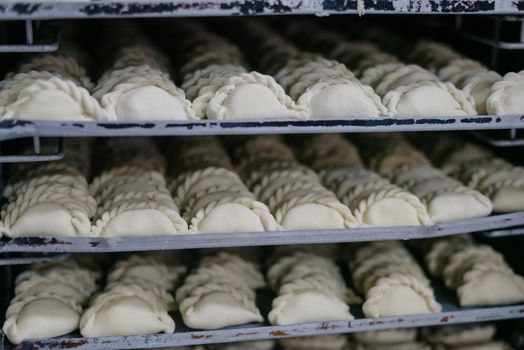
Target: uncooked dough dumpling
(215,306)
(506,95)
(130,311)
(310,288)
(142,93)
(386,205)
(132,194)
(391,280)
(219,293)
(50,199)
(399,295)
(410,100)
(49,87)
(43,315)
(246,96)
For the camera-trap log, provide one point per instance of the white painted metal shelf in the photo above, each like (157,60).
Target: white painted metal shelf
(53,9)
(183,336)
(13,129)
(218,240)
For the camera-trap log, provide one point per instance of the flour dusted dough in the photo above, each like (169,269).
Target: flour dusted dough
(484,285)
(410,100)
(48,214)
(43,315)
(142,93)
(246,96)
(248,270)
(310,288)
(139,218)
(58,284)
(241,214)
(506,95)
(45,96)
(314,211)
(304,300)
(126,311)
(399,295)
(388,205)
(404,75)
(215,306)
(144,268)
(446,199)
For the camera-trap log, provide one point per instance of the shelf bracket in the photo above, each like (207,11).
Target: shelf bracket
(37,155)
(32,259)
(51,41)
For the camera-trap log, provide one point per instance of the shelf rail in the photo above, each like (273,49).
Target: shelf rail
(220,240)
(16,129)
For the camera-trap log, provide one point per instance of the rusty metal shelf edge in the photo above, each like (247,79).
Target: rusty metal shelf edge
(13,129)
(42,9)
(216,240)
(259,332)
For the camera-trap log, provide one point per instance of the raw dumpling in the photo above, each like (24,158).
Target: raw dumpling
(129,311)
(40,316)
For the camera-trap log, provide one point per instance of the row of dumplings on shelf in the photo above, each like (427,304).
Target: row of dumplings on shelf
(431,71)
(141,292)
(341,79)
(455,337)
(263,184)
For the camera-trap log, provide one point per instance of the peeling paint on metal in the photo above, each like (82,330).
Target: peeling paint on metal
(278,333)
(143,8)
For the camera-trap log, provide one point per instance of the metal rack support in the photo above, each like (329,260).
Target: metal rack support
(30,45)
(37,155)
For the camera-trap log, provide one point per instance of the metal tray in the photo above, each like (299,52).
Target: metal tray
(216,240)
(13,129)
(183,336)
(49,9)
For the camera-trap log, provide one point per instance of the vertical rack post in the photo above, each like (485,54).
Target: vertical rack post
(495,50)
(29,37)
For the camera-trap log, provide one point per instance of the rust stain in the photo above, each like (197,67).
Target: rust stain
(444,319)
(71,344)
(278,334)
(242,334)
(324,326)
(194,336)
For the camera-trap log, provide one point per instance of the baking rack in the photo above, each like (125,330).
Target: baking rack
(239,239)
(451,314)
(49,9)
(13,129)
(14,251)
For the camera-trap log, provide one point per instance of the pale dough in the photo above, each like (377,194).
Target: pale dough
(41,316)
(127,311)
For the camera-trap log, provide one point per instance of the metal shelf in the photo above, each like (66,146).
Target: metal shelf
(498,138)
(184,336)
(49,9)
(25,260)
(505,233)
(13,129)
(217,240)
